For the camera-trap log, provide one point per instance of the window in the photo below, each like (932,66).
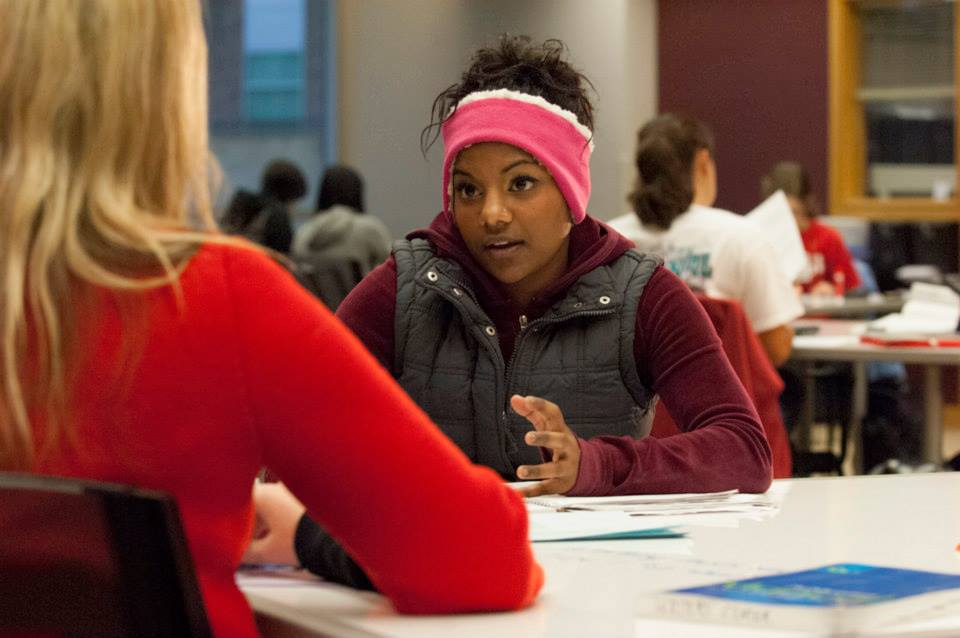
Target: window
(273,64)
(893,108)
(272,86)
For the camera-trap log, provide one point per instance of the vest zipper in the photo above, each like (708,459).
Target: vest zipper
(524,324)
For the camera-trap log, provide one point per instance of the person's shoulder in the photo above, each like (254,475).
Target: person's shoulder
(369,222)
(235,260)
(630,227)
(717,216)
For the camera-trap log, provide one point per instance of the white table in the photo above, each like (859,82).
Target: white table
(836,340)
(593,589)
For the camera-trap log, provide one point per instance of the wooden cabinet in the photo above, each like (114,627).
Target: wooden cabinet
(893,109)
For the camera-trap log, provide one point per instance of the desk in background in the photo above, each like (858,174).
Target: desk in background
(593,588)
(871,305)
(838,340)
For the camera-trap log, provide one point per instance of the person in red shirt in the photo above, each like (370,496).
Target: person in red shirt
(830,268)
(139,345)
(515,288)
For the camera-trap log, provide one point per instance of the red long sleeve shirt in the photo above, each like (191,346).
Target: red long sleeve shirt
(677,353)
(828,255)
(251,370)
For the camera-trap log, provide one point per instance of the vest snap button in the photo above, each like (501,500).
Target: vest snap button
(432,276)
(604,300)
(457,292)
(490,330)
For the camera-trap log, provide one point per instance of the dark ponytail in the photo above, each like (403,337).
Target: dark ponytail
(666,148)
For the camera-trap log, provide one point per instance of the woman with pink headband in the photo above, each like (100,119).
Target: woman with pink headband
(531,333)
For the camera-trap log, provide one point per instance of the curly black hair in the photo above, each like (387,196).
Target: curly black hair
(519,65)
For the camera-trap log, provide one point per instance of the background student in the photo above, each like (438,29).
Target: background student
(341,243)
(515,289)
(713,250)
(137,350)
(830,268)
(265,217)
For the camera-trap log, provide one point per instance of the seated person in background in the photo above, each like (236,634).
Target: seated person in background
(830,269)
(265,218)
(515,289)
(140,349)
(713,250)
(341,244)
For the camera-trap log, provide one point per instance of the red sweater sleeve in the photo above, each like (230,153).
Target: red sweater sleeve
(721,445)
(368,463)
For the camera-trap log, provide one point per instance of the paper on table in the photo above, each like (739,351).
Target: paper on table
(275,576)
(561,502)
(931,309)
(666,509)
(775,220)
(825,341)
(564,526)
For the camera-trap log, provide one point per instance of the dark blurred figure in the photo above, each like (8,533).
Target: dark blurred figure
(265,218)
(340,186)
(341,244)
(283,182)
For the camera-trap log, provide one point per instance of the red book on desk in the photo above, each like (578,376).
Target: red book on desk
(903,340)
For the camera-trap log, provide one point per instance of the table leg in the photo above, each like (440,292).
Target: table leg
(858,410)
(932,415)
(808,410)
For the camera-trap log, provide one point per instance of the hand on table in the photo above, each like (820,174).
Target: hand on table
(551,432)
(278,513)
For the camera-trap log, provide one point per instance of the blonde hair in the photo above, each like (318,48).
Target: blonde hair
(105,177)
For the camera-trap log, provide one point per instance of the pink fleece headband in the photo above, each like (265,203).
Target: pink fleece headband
(549,133)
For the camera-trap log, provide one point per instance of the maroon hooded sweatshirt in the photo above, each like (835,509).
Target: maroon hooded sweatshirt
(677,352)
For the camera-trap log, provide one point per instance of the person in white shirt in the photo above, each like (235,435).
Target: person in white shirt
(715,251)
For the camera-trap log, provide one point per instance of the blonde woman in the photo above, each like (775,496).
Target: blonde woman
(140,346)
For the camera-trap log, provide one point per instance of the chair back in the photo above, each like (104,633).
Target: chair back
(80,558)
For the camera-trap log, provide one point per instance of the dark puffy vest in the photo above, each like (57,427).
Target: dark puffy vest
(579,355)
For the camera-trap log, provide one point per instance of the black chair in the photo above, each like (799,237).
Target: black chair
(83,559)
(817,392)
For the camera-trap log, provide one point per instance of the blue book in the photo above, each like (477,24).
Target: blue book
(837,600)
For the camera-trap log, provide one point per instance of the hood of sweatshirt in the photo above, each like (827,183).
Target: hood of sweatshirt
(328,228)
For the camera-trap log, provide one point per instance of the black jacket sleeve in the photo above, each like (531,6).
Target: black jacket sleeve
(320,553)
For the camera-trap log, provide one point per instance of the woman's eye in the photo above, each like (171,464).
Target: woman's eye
(522,183)
(466,190)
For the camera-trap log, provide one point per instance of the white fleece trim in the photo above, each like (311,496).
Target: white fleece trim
(536,100)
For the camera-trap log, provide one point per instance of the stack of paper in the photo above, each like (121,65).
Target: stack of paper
(930,309)
(661,504)
(558,517)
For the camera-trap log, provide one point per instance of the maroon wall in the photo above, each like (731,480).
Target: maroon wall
(756,72)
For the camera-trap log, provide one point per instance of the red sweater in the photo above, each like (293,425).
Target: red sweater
(828,255)
(253,371)
(677,353)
